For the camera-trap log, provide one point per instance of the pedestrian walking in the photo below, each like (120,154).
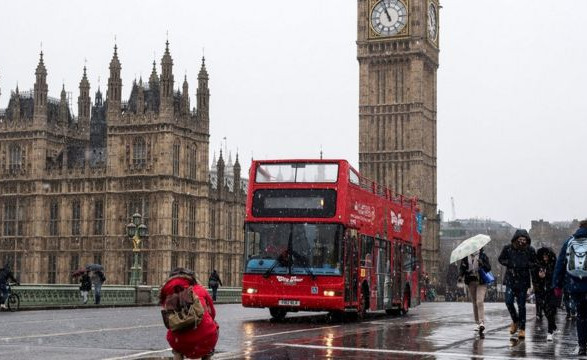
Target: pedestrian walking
(197,342)
(469,272)
(546,301)
(571,271)
(568,303)
(98,278)
(213,283)
(519,259)
(6,275)
(85,286)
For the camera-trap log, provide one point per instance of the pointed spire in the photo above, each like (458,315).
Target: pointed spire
(203,74)
(41,70)
(154,78)
(63,94)
(115,63)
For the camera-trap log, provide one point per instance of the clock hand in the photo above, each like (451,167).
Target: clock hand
(386,12)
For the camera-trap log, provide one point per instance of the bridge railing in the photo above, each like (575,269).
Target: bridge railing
(64,295)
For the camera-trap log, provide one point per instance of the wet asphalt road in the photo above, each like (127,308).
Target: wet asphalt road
(431,331)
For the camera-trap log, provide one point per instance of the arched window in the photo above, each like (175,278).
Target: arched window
(176,159)
(15,157)
(54,218)
(76,215)
(192,162)
(139,153)
(174,218)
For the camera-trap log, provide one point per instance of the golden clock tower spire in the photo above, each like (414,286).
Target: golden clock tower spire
(397,49)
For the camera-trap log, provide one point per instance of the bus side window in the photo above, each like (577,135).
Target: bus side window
(366,251)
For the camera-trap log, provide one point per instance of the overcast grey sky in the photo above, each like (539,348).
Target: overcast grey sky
(284,83)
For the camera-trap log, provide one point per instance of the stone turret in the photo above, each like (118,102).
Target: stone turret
(220,173)
(40,96)
(203,95)
(185,98)
(236,169)
(63,113)
(166,82)
(114,92)
(84,104)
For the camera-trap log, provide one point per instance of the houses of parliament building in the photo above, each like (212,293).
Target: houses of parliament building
(69,184)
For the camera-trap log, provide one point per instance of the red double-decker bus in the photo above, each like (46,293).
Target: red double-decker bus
(320,237)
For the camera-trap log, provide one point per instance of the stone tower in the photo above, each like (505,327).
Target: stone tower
(397,50)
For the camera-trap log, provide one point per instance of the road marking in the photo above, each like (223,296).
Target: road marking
(132,356)
(295,331)
(78,332)
(403,352)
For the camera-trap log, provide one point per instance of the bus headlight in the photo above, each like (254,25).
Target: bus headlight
(329,293)
(251,291)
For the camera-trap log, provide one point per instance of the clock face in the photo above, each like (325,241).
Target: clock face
(389,17)
(432,22)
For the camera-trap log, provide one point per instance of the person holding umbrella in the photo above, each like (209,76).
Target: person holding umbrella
(98,279)
(519,258)
(473,262)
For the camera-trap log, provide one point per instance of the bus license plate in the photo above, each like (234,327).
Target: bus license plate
(288,302)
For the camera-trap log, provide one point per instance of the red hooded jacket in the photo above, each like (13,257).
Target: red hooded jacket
(200,341)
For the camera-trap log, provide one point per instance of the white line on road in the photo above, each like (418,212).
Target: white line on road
(296,331)
(132,356)
(78,332)
(403,352)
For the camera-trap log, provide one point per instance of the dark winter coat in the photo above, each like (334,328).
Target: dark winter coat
(467,275)
(86,282)
(6,275)
(561,279)
(214,280)
(542,285)
(519,262)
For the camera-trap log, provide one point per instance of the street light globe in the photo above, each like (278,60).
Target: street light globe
(136,218)
(142,230)
(131,230)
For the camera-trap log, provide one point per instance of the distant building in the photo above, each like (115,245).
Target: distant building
(552,234)
(69,185)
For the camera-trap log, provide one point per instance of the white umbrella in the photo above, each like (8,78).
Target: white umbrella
(469,246)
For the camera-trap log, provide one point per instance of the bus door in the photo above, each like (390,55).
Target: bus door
(351,254)
(397,289)
(383,269)
(367,276)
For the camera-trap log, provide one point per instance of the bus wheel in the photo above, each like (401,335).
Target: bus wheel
(277,313)
(406,301)
(336,316)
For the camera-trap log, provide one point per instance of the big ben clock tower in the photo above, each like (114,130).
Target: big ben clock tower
(397,49)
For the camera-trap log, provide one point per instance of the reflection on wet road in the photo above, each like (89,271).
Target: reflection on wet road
(432,331)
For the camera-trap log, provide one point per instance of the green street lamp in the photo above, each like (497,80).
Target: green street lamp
(135,231)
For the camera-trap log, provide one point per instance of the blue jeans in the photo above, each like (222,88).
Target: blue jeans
(580,301)
(519,296)
(97,292)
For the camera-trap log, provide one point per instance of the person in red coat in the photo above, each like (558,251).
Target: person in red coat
(199,342)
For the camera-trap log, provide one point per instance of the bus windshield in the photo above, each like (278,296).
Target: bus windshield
(293,248)
(297,173)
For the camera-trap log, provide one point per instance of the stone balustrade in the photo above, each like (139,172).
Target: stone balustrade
(44,296)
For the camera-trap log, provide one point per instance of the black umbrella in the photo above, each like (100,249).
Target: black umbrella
(94,267)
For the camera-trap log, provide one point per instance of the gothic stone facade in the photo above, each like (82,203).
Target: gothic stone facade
(397,50)
(69,185)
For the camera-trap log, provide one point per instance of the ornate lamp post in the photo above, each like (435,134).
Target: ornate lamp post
(135,231)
